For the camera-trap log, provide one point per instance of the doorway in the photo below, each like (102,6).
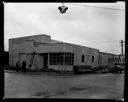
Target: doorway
(45,61)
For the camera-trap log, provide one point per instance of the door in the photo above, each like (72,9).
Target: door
(45,61)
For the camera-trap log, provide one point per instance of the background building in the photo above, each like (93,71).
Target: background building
(107,59)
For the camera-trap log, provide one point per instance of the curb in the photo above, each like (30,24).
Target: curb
(42,72)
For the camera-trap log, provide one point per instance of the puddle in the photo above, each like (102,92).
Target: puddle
(76,89)
(41,94)
(47,95)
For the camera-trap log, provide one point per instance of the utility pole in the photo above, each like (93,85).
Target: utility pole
(121,42)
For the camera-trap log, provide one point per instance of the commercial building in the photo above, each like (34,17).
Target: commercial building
(41,51)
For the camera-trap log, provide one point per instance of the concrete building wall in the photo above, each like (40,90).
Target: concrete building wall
(22,48)
(77,50)
(86,51)
(20,45)
(89,53)
(24,45)
(16,48)
(37,61)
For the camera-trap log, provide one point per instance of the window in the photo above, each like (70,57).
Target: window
(61,58)
(56,58)
(82,58)
(92,59)
(69,58)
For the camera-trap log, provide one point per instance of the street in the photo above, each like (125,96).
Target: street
(50,85)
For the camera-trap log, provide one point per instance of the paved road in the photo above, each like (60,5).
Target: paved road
(45,85)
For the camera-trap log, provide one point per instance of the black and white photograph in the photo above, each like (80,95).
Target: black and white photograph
(64,50)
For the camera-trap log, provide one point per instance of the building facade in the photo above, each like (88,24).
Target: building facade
(107,59)
(41,51)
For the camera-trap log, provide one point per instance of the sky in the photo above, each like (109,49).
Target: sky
(87,26)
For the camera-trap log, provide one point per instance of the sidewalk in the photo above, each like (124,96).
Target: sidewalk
(42,73)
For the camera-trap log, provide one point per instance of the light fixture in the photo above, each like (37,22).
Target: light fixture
(62,8)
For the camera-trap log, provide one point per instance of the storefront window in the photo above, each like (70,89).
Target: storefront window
(61,58)
(68,58)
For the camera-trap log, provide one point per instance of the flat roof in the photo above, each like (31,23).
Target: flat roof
(29,36)
(59,42)
(108,53)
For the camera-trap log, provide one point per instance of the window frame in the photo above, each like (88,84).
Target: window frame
(61,58)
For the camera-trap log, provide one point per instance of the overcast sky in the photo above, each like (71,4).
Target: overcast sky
(88,26)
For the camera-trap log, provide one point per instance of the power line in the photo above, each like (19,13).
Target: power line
(98,7)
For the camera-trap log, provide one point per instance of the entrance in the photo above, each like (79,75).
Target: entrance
(45,61)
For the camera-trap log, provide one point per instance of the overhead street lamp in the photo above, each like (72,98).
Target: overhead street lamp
(62,8)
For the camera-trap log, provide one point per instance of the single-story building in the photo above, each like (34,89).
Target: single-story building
(107,59)
(41,52)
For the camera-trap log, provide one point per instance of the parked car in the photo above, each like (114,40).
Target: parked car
(117,69)
(103,69)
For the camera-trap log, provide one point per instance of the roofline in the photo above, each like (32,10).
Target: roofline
(109,53)
(74,45)
(61,42)
(29,36)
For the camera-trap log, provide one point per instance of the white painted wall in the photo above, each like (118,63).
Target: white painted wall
(20,45)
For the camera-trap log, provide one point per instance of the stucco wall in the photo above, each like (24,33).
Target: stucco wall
(79,51)
(88,53)
(20,45)
(24,46)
